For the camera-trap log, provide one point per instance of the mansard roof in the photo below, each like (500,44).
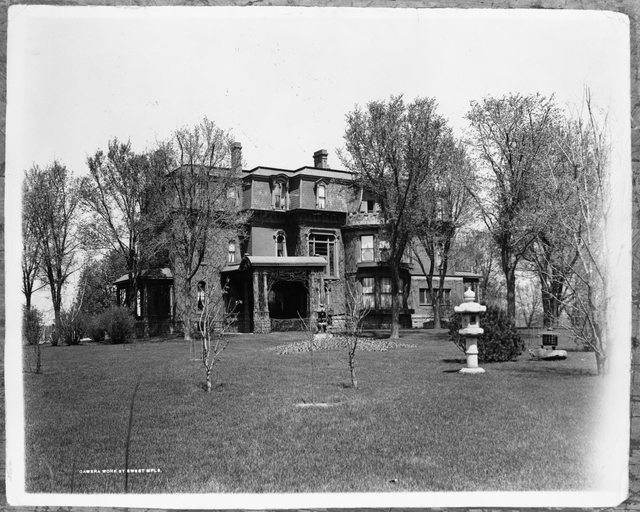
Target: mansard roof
(309,172)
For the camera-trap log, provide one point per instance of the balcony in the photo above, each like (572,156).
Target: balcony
(364,219)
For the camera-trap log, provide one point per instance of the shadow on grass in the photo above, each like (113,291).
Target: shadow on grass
(460,360)
(542,367)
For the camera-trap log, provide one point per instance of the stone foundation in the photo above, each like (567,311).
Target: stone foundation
(261,325)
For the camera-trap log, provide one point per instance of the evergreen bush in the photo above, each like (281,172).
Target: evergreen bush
(500,341)
(118,323)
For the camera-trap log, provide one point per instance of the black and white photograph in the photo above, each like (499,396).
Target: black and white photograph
(298,257)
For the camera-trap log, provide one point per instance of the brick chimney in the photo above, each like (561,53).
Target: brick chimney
(320,159)
(236,156)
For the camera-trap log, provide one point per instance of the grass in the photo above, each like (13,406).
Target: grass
(414,423)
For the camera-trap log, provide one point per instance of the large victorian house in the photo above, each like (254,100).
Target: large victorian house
(309,228)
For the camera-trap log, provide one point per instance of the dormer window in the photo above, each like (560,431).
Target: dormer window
(321,194)
(367,202)
(281,244)
(279,192)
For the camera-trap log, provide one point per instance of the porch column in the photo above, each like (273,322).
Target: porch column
(265,294)
(261,321)
(314,303)
(246,327)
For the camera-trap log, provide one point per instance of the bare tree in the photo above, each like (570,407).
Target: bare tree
(121,197)
(355,311)
(31,254)
(215,319)
(200,190)
(51,199)
(528,300)
(476,251)
(584,146)
(447,206)
(392,149)
(511,137)
(32,330)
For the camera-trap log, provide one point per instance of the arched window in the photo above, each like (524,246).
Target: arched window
(281,243)
(232,252)
(321,194)
(279,192)
(201,294)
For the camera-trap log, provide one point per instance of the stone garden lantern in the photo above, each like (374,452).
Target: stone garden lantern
(470,311)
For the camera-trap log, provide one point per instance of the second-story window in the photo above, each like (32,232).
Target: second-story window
(201,299)
(281,244)
(232,252)
(325,245)
(366,248)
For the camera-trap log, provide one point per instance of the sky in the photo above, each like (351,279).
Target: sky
(282,79)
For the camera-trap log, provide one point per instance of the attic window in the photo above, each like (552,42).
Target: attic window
(321,194)
(279,192)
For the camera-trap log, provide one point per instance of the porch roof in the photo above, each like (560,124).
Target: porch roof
(152,273)
(277,261)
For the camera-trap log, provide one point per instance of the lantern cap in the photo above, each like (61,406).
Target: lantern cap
(469,295)
(469,308)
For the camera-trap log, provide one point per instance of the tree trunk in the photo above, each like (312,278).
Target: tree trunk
(511,294)
(186,315)
(436,313)
(352,363)
(57,329)
(395,302)
(38,357)
(208,380)
(601,363)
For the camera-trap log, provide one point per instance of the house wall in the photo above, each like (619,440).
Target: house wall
(262,242)
(261,194)
(246,194)
(294,193)
(424,314)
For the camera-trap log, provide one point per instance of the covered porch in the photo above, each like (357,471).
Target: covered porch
(152,300)
(276,292)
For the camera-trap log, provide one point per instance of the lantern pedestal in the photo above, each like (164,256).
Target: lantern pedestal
(472,356)
(470,312)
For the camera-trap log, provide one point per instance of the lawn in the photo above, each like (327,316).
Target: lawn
(413,424)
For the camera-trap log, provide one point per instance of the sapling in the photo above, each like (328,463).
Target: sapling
(355,311)
(215,320)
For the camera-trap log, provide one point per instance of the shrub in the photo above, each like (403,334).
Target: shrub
(94,328)
(32,325)
(71,327)
(32,330)
(118,323)
(500,341)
